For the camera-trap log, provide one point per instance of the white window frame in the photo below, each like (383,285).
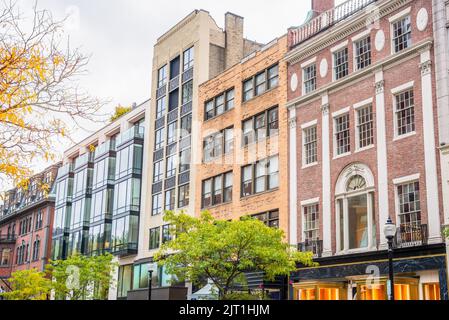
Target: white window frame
(394,92)
(304,204)
(362,36)
(399,16)
(401,181)
(303,67)
(357,107)
(334,50)
(336,115)
(305,127)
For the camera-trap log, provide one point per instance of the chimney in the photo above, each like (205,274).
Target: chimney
(320,6)
(234,39)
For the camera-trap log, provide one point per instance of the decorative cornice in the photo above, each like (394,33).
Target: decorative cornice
(341,31)
(380,87)
(426,68)
(398,57)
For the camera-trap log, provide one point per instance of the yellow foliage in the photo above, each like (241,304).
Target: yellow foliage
(120,111)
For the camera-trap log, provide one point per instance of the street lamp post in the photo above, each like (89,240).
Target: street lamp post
(150,283)
(390,232)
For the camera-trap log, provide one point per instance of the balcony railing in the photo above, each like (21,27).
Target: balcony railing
(314,246)
(326,20)
(134,132)
(65,170)
(411,235)
(8,239)
(106,147)
(84,159)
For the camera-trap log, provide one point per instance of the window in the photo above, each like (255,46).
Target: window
(189,58)
(166,234)
(170,198)
(162,77)
(309,78)
(184,196)
(257,85)
(160,108)
(186,126)
(6,257)
(174,67)
(36,249)
(124,281)
(261,126)
(402,34)
(365,127)
(155,238)
(157,204)
(310,146)
(432,291)
(171,132)
(158,172)
(187,92)
(218,144)
(311,223)
(363,53)
(342,135)
(217,190)
(405,112)
(219,105)
(271,219)
(39,220)
(341,64)
(173,100)
(171,166)
(260,177)
(185,159)
(159,139)
(409,207)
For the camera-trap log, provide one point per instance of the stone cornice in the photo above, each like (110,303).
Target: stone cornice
(398,57)
(341,31)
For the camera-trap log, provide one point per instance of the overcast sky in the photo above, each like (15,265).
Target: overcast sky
(120,35)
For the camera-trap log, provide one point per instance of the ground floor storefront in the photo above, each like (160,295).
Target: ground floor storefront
(420,274)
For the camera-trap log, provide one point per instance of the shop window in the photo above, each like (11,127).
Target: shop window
(431,291)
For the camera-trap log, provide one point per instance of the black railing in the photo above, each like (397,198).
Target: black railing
(314,246)
(8,239)
(411,235)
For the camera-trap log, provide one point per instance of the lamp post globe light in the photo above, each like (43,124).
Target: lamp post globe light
(390,233)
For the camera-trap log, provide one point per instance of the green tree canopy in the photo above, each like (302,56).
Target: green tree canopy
(28,285)
(81,278)
(223,251)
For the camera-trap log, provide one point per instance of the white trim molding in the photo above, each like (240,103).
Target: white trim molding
(326,177)
(403,87)
(308,62)
(309,124)
(293,149)
(363,103)
(407,179)
(341,112)
(400,15)
(309,202)
(340,46)
(361,35)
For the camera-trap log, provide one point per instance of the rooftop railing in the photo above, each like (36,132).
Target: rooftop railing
(325,20)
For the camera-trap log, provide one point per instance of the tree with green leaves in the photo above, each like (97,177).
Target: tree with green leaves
(82,278)
(222,251)
(28,285)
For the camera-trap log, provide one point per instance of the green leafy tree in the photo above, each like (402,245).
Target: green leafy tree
(28,285)
(223,251)
(82,278)
(446,233)
(119,112)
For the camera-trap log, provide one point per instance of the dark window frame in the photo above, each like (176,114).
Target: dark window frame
(269,83)
(267,177)
(269,130)
(226,104)
(214,190)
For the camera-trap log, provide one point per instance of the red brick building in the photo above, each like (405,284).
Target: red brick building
(26,222)
(364,132)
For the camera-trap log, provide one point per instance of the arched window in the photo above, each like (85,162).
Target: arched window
(355,207)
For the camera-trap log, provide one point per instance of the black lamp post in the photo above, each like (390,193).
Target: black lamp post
(390,232)
(150,283)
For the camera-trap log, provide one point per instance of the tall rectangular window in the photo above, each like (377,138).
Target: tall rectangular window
(261,83)
(402,34)
(158,172)
(273,77)
(310,145)
(162,77)
(309,78)
(155,238)
(228,183)
(185,158)
(189,58)
(184,196)
(172,132)
(159,139)
(186,126)
(166,234)
(171,166)
(311,223)
(341,64)
(365,127)
(187,92)
(405,112)
(342,135)
(248,89)
(157,204)
(363,53)
(170,200)
(409,205)
(160,107)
